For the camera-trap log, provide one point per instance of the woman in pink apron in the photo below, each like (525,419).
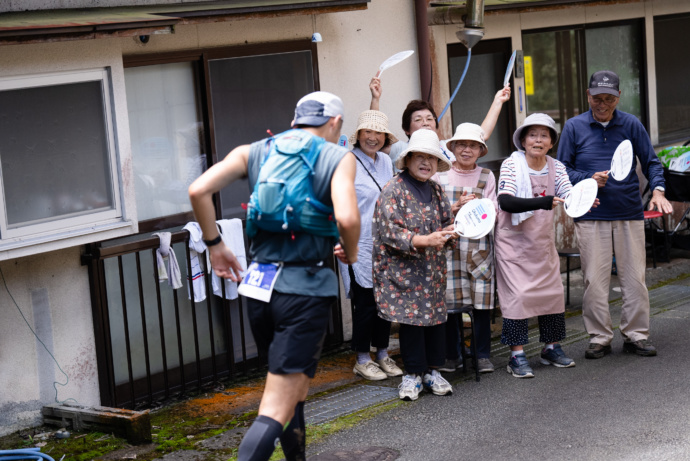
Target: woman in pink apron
(530,186)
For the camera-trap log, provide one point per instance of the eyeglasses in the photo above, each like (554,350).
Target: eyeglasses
(608,100)
(417,157)
(474,147)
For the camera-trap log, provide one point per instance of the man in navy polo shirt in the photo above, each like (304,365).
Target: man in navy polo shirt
(291,325)
(587,145)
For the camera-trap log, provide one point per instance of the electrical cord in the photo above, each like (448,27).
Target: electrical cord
(55,383)
(467,65)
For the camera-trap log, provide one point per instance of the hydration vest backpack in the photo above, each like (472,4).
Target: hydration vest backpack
(283,199)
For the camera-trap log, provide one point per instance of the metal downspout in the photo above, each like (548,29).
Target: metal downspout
(423,49)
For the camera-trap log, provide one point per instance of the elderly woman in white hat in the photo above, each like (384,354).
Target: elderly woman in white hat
(412,229)
(470,265)
(530,186)
(374,170)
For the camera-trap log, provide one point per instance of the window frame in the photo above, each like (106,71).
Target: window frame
(201,58)
(580,30)
(82,223)
(675,137)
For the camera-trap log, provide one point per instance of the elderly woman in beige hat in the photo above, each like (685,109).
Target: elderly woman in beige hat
(374,170)
(412,229)
(470,264)
(530,186)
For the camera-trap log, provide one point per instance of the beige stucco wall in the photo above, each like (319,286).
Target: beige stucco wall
(56,287)
(354,45)
(52,292)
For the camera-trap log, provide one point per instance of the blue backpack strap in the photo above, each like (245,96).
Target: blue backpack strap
(267,150)
(313,155)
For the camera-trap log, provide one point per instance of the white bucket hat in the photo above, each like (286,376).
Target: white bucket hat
(532,120)
(468,132)
(426,142)
(375,121)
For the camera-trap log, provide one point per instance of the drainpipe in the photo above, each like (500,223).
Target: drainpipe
(471,17)
(474,24)
(423,48)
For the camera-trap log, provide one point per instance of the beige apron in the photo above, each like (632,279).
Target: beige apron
(527,264)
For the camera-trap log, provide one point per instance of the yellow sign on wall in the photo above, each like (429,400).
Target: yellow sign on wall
(529,79)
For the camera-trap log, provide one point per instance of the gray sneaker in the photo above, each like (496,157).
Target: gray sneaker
(519,367)
(556,357)
(485,366)
(451,365)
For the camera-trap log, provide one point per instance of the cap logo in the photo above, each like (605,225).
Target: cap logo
(310,108)
(606,79)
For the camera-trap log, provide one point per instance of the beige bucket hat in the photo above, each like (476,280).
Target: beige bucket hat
(426,142)
(373,120)
(468,132)
(532,120)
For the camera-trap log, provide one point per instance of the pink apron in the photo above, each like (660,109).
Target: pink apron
(527,264)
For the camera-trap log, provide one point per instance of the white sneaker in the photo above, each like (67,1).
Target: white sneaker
(369,371)
(389,367)
(410,387)
(437,383)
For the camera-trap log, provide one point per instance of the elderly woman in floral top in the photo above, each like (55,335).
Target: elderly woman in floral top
(412,229)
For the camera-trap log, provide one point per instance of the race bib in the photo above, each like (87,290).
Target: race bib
(259,280)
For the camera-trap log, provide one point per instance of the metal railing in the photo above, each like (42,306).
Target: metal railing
(152,343)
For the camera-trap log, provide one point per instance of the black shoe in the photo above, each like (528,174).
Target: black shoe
(641,347)
(597,351)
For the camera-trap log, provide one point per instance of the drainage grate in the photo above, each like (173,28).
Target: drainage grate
(534,346)
(660,299)
(666,297)
(347,401)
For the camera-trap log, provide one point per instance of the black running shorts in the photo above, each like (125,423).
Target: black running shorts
(290,329)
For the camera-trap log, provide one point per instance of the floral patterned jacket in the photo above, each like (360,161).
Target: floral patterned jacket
(410,283)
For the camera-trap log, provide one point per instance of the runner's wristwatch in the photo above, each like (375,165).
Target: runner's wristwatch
(215,241)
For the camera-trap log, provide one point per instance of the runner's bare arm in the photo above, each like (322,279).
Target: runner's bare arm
(230,169)
(345,205)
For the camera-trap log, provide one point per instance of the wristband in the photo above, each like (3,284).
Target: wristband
(215,241)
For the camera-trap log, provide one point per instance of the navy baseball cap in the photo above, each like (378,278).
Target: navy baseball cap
(317,108)
(604,81)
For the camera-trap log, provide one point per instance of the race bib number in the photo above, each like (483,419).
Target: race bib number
(259,280)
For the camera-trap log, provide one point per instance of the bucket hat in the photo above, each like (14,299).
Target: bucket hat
(373,120)
(426,142)
(532,120)
(468,132)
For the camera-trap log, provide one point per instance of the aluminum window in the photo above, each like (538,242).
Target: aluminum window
(58,174)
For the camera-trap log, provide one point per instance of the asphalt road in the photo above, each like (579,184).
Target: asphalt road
(621,407)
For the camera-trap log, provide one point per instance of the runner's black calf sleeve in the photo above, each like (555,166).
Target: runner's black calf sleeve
(260,440)
(293,439)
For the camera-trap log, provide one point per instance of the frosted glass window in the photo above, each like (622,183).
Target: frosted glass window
(57,153)
(623,55)
(49,138)
(166,131)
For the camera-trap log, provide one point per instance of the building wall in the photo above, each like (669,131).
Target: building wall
(511,24)
(52,292)
(52,288)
